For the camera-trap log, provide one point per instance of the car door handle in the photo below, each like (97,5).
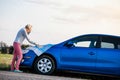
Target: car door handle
(91,53)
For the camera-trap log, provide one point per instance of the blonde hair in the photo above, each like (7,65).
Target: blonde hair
(28,26)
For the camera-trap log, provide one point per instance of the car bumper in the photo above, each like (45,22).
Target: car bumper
(28,59)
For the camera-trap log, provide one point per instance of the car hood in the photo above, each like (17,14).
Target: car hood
(38,50)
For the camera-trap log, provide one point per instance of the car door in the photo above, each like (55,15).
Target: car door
(79,54)
(108,56)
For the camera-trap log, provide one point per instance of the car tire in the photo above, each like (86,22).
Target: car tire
(44,65)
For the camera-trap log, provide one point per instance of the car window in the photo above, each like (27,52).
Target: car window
(85,44)
(85,41)
(119,46)
(109,42)
(82,44)
(107,45)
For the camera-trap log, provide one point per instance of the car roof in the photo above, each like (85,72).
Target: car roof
(100,35)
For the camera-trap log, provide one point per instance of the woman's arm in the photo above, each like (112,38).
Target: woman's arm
(26,36)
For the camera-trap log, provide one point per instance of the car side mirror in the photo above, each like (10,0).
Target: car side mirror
(69,44)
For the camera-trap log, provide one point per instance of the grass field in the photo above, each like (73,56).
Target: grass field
(5,61)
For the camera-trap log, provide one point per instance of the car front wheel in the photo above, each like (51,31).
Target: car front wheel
(44,65)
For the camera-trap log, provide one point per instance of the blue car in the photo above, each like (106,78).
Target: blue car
(90,53)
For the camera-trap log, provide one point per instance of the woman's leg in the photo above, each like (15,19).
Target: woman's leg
(19,56)
(14,58)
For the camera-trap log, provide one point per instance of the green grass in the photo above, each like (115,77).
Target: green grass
(5,61)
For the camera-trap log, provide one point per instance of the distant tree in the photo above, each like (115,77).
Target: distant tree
(3,47)
(11,50)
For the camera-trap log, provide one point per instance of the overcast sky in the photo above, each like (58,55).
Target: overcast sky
(57,20)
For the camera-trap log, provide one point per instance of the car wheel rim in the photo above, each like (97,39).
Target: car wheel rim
(44,65)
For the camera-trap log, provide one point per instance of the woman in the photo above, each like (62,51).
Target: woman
(17,55)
